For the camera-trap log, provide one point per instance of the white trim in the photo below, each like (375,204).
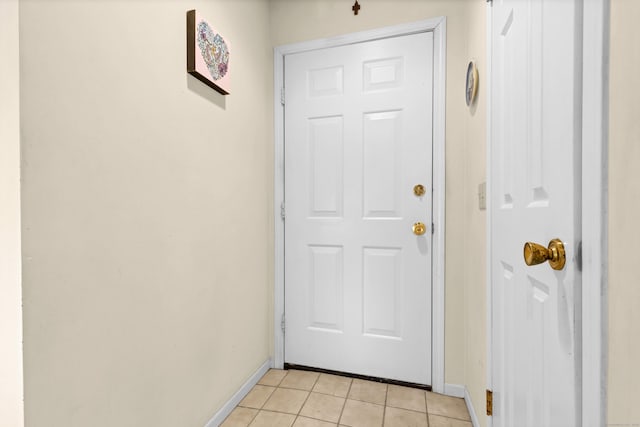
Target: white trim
(363,36)
(472,411)
(488,195)
(460,391)
(438,27)
(439,191)
(228,407)
(595,111)
(278,185)
(11,313)
(454,390)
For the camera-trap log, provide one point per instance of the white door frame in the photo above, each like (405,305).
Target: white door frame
(595,111)
(438,27)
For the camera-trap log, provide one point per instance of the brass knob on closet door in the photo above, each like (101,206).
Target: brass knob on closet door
(419,229)
(535,254)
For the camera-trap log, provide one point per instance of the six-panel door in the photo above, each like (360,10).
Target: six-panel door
(358,138)
(536,122)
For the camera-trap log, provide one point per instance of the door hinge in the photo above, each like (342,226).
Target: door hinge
(282,95)
(283,214)
(282,324)
(489,403)
(433,228)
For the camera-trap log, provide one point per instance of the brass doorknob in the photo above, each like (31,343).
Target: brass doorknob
(419,228)
(537,254)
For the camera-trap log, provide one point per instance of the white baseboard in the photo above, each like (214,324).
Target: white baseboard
(471,409)
(454,390)
(226,409)
(457,390)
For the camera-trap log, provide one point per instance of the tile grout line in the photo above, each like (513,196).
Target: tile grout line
(452,418)
(417,412)
(426,408)
(258,410)
(265,402)
(321,419)
(345,402)
(305,400)
(254,418)
(384,408)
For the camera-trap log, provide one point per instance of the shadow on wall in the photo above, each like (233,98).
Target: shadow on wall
(199,88)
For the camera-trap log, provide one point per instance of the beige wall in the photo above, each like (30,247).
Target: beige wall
(147,297)
(624,204)
(475,221)
(11,409)
(147,226)
(297,21)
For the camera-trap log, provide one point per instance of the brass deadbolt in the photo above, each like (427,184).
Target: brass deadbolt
(418,190)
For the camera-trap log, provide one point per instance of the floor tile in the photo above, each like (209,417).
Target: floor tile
(368,391)
(452,407)
(333,385)
(438,421)
(301,380)
(396,417)
(361,414)
(308,399)
(308,422)
(286,400)
(257,396)
(323,407)
(406,398)
(240,417)
(273,377)
(273,419)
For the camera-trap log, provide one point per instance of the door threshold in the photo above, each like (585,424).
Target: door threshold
(426,387)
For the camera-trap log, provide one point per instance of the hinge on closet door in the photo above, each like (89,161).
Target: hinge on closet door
(282,95)
(283,213)
(489,403)
(282,324)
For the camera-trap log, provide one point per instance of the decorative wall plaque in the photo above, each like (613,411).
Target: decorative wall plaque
(208,54)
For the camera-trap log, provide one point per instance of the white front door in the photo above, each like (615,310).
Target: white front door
(535,197)
(358,138)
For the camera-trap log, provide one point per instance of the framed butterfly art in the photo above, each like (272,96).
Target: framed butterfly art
(208,54)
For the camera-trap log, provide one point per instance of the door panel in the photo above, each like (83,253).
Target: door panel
(382,142)
(382,292)
(326,172)
(358,137)
(535,174)
(326,286)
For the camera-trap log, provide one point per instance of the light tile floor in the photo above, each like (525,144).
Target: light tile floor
(309,399)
